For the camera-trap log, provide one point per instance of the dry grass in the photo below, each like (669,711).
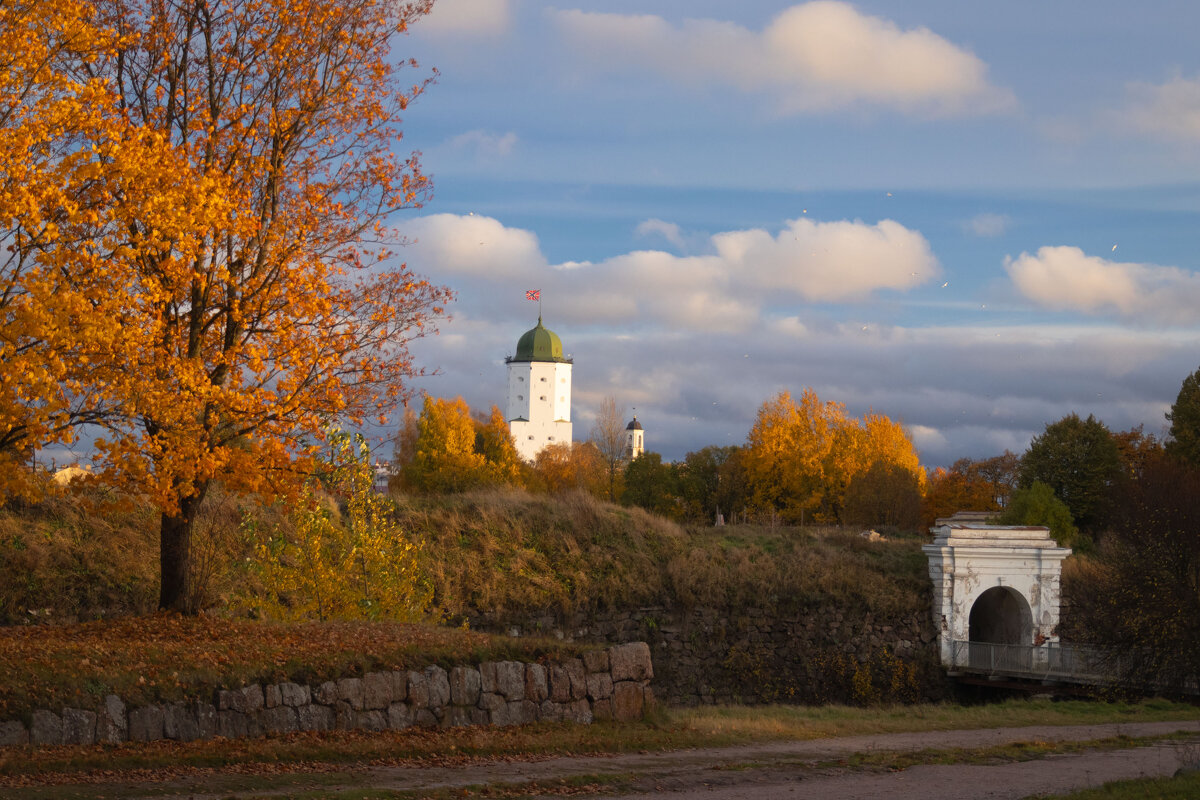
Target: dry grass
(510,553)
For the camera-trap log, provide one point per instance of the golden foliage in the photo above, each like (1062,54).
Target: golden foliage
(199,256)
(325,565)
(801,457)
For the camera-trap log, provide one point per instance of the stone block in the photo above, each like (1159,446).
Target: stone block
(314,717)
(457,717)
(631,662)
(489,679)
(326,694)
(272,697)
(425,718)
(578,678)
(344,716)
(12,732)
(179,722)
(377,690)
(560,684)
(45,728)
(578,711)
(371,720)
(112,725)
(628,701)
(78,726)
(230,724)
(247,700)
(510,680)
(465,686)
(537,687)
(294,694)
(439,686)
(399,716)
(602,709)
(280,719)
(350,690)
(491,702)
(206,720)
(599,685)
(146,724)
(596,661)
(399,686)
(480,717)
(550,711)
(418,690)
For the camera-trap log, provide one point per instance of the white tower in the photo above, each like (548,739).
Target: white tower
(634,443)
(539,392)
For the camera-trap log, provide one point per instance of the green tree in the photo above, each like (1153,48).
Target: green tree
(1184,416)
(652,485)
(1038,505)
(1140,597)
(1080,461)
(699,482)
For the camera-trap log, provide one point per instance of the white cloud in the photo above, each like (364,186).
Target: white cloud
(830,261)
(485,144)
(815,56)
(1067,279)
(748,272)
(668,230)
(467,18)
(987,225)
(473,244)
(1170,110)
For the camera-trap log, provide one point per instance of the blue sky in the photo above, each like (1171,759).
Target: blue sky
(974,218)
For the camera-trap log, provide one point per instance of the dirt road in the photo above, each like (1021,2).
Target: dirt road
(798,769)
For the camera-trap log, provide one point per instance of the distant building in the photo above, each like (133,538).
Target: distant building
(539,392)
(635,443)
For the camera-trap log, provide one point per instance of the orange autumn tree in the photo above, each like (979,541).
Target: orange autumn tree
(51,186)
(259,302)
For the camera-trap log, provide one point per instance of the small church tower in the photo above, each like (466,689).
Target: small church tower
(539,392)
(635,445)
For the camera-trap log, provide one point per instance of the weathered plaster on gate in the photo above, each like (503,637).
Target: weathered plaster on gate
(967,558)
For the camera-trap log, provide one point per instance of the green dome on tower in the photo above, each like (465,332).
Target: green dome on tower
(540,344)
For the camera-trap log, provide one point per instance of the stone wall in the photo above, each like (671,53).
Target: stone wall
(704,655)
(604,684)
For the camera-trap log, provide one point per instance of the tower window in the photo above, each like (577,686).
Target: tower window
(543,397)
(520,397)
(543,380)
(521,379)
(549,438)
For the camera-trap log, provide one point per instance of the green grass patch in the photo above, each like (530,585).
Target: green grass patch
(1182,787)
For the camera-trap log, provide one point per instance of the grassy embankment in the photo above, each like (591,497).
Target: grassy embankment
(506,553)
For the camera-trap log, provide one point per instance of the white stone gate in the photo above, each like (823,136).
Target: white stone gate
(996,592)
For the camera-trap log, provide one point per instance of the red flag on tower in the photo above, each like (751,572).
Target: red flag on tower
(533,294)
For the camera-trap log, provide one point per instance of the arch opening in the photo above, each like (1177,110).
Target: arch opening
(1001,616)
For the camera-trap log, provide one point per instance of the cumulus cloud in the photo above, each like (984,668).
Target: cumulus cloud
(472,244)
(1169,110)
(815,56)
(467,18)
(485,144)
(1067,279)
(668,230)
(987,226)
(747,272)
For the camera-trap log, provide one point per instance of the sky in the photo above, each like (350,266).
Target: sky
(974,218)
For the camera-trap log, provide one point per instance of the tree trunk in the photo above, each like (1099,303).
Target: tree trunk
(174,556)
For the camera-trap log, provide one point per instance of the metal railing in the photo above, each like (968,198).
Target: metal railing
(1052,660)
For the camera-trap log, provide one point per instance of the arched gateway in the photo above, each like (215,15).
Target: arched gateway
(996,590)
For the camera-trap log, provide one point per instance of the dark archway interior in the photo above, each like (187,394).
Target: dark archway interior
(1001,616)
